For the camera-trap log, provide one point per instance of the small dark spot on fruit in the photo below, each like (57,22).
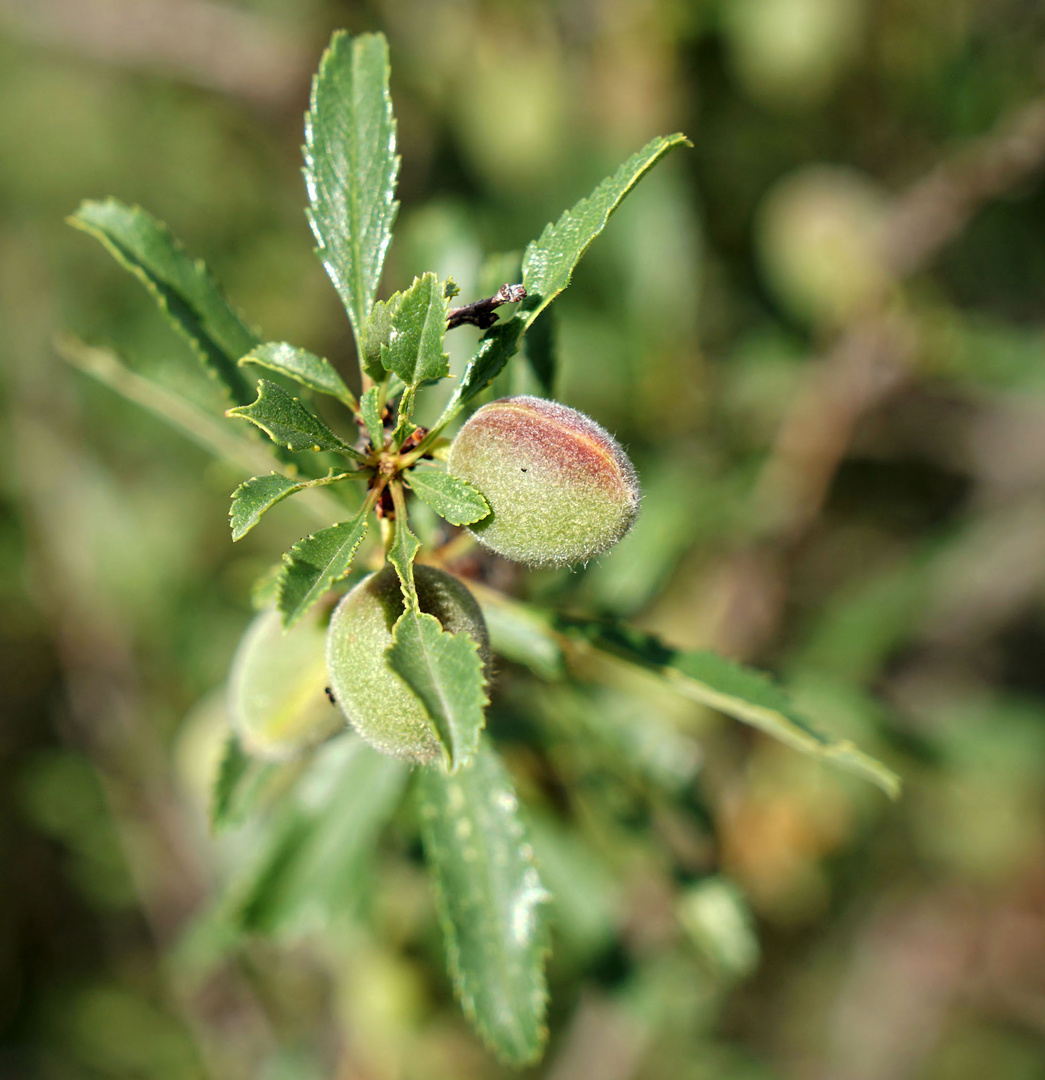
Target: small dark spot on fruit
(524,470)
(330,695)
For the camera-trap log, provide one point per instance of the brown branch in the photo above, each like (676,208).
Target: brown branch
(481,312)
(870,359)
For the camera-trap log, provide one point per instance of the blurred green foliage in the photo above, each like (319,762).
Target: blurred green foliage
(725,908)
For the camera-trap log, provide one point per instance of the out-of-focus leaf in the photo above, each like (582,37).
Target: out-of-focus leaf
(303,367)
(445,671)
(314,564)
(351,167)
(452,498)
(276,697)
(549,261)
(240,782)
(522,634)
(738,691)
(370,408)
(489,897)
(256,495)
(314,866)
(415,346)
(288,423)
(233,768)
(182,287)
(622,734)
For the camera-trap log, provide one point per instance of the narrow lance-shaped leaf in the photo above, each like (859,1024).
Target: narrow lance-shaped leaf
(452,498)
(549,261)
(403,551)
(180,285)
(489,897)
(288,423)
(370,408)
(446,672)
(351,167)
(415,347)
(548,265)
(256,495)
(738,691)
(314,564)
(314,868)
(303,367)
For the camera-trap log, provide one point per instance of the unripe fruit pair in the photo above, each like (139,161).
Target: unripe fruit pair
(560,488)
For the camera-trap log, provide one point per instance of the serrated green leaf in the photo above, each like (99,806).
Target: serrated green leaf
(489,897)
(377,334)
(256,495)
(450,497)
(370,408)
(303,367)
(314,867)
(288,423)
(180,285)
(741,692)
(415,346)
(351,167)
(314,564)
(401,555)
(446,672)
(549,261)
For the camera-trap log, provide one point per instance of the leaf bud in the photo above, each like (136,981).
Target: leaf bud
(561,489)
(376,701)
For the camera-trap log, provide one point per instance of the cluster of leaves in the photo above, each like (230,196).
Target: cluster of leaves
(488,887)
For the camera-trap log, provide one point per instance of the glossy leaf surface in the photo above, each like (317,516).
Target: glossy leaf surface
(288,423)
(415,346)
(351,167)
(256,495)
(377,334)
(302,366)
(549,261)
(452,498)
(314,564)
(490,899)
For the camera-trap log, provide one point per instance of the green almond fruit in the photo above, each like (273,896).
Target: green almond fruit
(276,689)
(376,701)
(560,488)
